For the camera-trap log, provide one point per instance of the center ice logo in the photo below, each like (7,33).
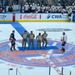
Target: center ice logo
(35,58)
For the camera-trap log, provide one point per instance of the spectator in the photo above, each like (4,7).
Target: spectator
(33,8)
(26,8)
(38,9)
(0,9)
(10,9)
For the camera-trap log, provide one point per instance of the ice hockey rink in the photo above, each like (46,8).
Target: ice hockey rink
(47,61)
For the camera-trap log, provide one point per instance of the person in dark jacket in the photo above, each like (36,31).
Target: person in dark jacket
(10,9)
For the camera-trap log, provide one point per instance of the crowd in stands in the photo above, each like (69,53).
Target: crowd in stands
(37,8)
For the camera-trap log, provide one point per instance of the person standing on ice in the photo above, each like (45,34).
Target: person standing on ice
(24,40)
(44,39)
(39,40)
(31,39)
(12,39)
(63,40)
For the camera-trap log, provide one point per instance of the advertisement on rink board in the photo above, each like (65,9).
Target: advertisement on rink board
(50,16)
(27,16)
(54,16)
(31,16)
(2,16)
(5,16)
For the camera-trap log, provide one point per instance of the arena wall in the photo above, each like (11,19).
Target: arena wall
(33,17)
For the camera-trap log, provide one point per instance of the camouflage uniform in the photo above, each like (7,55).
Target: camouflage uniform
(31,39)
(24,40)
(39,39)
(44,39)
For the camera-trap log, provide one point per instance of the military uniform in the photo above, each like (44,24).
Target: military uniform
(31,39)
(24,40)
(44,39)
(39,40)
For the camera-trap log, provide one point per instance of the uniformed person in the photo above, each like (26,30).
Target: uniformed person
(31,39)
(12,39)
(24,40)
(63,40)
(44,39)
(39,40)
